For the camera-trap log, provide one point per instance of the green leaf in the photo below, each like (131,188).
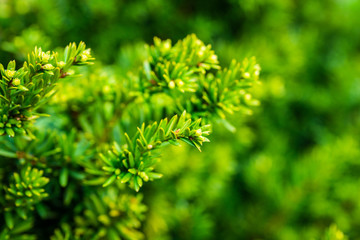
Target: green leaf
(109,181)
(182,120)
(64,176)
(184,126)
(126,177)
(22,226)
(140,145)
(21,213)
(147,70)
(161,134)
(139,181)
(129,143)
(153,175)
(9,219)
(171,124)
(136,184)
(131,160)
(4,98)
(142,136)
(8,154)
(188,142)
(10,132)
(35,99)
(197,145)
(22,88)
(11,65)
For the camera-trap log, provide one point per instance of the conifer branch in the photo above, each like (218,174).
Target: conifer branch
(25,190)
(135,161)
(77,148)
(189,72)
(24,90)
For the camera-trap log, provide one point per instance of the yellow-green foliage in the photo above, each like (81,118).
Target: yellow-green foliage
(80,157)
(288,171)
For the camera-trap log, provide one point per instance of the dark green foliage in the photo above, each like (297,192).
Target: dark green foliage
(135,162)
(73,165)
(178,67)
(22,91)
(109,214)
(290,171)
(26,189)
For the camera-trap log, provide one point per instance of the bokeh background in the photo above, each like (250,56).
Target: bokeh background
(291,170)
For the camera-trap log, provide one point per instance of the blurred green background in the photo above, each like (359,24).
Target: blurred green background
(291,170)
